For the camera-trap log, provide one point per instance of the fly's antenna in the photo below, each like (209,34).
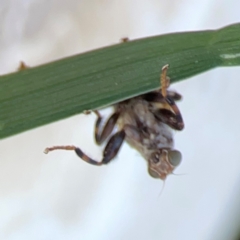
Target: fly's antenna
(161,191)
(178,174)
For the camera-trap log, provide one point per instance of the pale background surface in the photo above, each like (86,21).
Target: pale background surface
(58,196)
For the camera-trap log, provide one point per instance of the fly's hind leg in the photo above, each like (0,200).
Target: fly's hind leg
(78,151)
(113,146)
(101,136)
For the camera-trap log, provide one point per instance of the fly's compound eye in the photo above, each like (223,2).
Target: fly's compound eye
(153,173)
(174,157)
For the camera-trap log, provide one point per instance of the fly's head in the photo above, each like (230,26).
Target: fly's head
(162,162)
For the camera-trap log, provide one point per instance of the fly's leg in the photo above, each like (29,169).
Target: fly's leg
(100,137)
(164,80)
(156,96)
(176,117)
(165,83)
(115,142)
(168,117)
(169,113)
(113,146)
(163,93)
(174,95)
(110,151)
(78,151)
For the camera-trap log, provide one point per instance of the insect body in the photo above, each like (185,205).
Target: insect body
(146,123)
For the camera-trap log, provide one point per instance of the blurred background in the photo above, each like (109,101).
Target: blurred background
(58,196)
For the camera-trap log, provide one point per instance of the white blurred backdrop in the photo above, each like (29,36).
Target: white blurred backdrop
(58,196)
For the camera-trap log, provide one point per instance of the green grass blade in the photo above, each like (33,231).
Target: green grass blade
(60,89)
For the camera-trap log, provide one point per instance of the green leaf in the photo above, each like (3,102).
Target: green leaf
(41,95)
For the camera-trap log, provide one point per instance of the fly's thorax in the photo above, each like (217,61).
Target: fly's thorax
(143,130)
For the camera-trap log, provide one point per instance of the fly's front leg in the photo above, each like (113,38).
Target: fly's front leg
(174,95)
(173,119)
(168,112)
(164,80)
(100,137)
(162,93)
(165,83)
